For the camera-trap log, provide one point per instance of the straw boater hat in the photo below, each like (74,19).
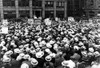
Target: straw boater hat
(6,59)
(68,63)
(39,54)
(4,48)
(48,45)
(48,58)
(26,56)
(39,39)
(34,62)
(80,44)
(9,53)
(17,50)
(52,42)
(76,47)
(96,53)
(53,55)
(91,49)
(48,51)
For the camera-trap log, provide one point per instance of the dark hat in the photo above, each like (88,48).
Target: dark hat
(75,56)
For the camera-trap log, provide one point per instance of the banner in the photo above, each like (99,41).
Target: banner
(37,21)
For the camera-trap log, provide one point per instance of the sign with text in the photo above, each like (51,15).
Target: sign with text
(4,30)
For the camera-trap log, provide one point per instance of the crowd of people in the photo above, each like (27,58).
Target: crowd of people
(50,46)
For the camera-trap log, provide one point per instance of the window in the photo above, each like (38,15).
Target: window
(8,2)
(9,14)
(37,3)
(91,13)
(24,13)
(49,3)
(60,4)
(23,3)
(60,14)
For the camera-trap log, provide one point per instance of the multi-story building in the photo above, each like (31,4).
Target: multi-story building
(28,8)
(76,7)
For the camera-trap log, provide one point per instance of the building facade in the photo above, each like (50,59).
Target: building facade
(92,8)
(76,7)
(29,8)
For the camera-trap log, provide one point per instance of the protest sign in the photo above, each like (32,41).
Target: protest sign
(37,21)
(48,22)
(5,22)
(4,30)
(30,21)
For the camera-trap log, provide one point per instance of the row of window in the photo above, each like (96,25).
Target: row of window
(34,3)
(12,14)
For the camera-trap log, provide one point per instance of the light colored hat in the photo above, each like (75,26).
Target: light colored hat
(32,51)
(4,48)
(6,59)
(65,40)
(52,42)
(38,49)
(34,61)
(68,63)
(36,44)
(66,45)
(80,44)
(83,47)
(17,50)
(76,39)
(43,42)
(26,45)
(64,63)
(48,51)
(26,56)
(48,58)
(39,54)
(91,49)
(90,54)
(48,45)
(76,47)
(70,31)
(39,39)
(96,53)
(19,58)
(55,46)
(53,55)
(21,46)
(9,52)
(84,53)
(27,49)
(9,38)
(21,54)
(3,43)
